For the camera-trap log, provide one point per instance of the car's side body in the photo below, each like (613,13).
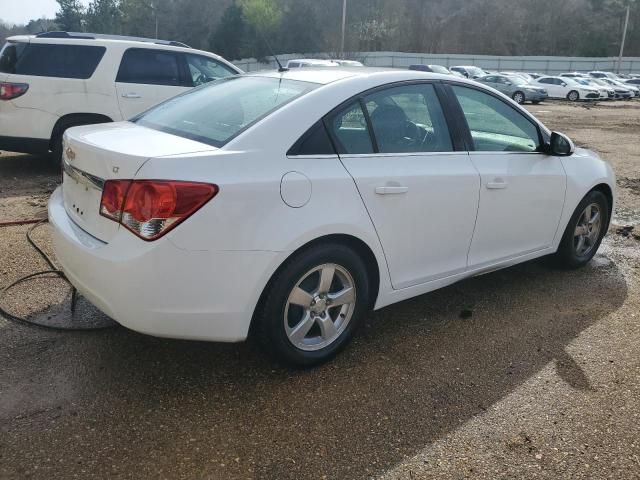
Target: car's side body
(454,223)
(511,85)
(563,87)
(56,100)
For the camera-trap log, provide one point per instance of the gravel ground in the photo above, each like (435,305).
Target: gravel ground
(528,372)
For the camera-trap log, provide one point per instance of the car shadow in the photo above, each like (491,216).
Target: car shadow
(22,174)
(416,371)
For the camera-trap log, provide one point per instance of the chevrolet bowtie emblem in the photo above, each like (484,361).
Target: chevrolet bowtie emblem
(70,153)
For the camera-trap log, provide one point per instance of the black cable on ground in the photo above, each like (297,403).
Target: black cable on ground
(52,271)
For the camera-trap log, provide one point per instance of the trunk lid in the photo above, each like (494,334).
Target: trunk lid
(93,154)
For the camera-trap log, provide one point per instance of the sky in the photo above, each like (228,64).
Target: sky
(24,10)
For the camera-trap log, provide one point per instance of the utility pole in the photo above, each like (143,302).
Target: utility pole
(344,23)
(624,36)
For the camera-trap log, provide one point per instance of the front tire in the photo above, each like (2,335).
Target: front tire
(314,305)
(573,96)
(518,97)
(584,232)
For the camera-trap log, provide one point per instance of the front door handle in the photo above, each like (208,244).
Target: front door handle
(497,184)
(389,190)
(131,95)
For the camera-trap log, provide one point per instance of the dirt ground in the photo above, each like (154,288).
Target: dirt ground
(528,372)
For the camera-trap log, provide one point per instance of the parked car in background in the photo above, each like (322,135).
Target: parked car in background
(516,87)
(599,74)
(534,75)
(468,71)
(524,75)
(569,88)
(430,68)
(635,90)
(56,80)
(574,75)
(311,62)
(606,91)
(349,63)
(633,81)
(621,91)
(219,222)
(456,73)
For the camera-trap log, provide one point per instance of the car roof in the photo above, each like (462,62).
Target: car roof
(326,75)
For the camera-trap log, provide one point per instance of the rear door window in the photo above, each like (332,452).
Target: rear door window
(51,60)
(350,130)
(149,67)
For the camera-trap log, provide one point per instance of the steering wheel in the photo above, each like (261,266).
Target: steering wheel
(200,79)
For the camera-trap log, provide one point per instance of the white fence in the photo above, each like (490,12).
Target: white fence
(548,65)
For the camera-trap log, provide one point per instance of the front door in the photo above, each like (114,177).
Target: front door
(147,77)
(420,194)
(522,190)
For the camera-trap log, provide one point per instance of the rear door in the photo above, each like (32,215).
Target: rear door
(147,77)
(522,189)
(421,194)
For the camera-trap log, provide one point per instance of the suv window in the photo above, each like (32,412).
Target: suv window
(351,131)
(149,66)
(51,60)
(408,119)
(494,125)
(204,69)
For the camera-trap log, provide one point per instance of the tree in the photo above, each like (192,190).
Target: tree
(104,16)
(70,17)
(229,38)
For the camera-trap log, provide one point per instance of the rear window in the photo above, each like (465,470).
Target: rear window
(215,113)
(50,60)
(9,56)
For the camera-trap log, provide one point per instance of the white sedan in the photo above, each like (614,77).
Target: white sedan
(569,88)
(289,204)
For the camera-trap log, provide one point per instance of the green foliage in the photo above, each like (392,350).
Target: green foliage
(70,17)
(241,28)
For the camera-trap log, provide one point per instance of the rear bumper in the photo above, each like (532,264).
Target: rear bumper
(159,289)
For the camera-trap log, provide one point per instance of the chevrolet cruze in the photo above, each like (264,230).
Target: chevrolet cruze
(285,205)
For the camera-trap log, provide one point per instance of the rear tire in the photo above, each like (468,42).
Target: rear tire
(75,120)
(518,97)
(302,321)
(585,231)
(573,96)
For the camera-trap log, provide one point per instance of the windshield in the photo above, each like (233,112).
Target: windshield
(220,110)
(475,71)
(439,69)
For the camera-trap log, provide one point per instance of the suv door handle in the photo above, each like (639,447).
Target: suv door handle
(498,183)
(131,95)
(387,190)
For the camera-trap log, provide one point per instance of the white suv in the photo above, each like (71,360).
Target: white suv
(56,80)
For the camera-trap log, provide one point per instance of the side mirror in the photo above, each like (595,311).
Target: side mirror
(509,83)
(563,84)
(560,145)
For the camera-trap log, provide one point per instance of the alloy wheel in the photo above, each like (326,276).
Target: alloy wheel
(319,307)
(518,97)
(587,231)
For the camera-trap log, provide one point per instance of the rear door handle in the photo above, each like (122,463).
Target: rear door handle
(387,190)
(497,184)
(131,95)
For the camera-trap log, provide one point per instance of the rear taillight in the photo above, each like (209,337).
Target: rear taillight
(10,91)
(150,208)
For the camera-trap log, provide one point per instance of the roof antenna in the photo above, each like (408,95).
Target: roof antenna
(280,67)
